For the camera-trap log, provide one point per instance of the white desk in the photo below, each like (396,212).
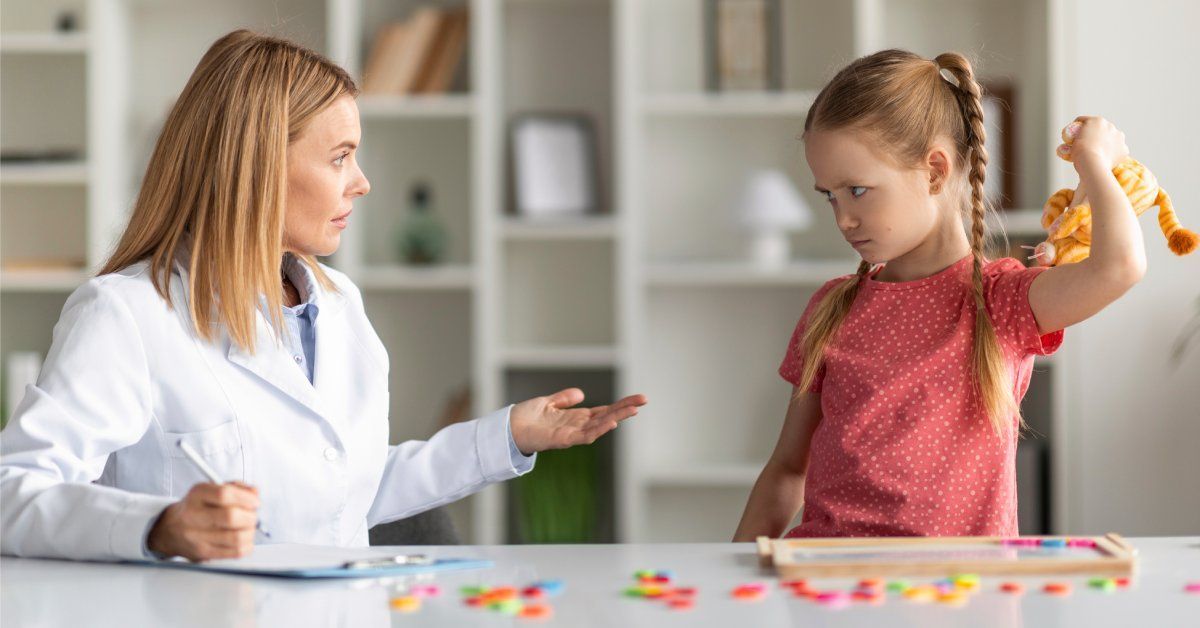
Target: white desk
(61,593)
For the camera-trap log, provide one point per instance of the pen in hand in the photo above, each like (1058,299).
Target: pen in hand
(212,476)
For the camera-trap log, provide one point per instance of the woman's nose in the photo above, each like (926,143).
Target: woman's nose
(361,186)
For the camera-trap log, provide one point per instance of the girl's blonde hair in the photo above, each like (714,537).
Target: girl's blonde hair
(219,175)
(902,102)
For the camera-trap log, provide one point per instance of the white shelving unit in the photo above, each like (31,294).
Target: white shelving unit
(651,295)
(39,174)
(784,104)
(375,107)
(561,357)
(56,216)
(598,228)
(44,43)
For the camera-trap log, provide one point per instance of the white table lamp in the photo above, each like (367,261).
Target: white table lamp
(770,207)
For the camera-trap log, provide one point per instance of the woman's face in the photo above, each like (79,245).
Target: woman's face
(323,180)
(882,211)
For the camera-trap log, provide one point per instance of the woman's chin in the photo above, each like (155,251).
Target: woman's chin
(324,248)
(330,245)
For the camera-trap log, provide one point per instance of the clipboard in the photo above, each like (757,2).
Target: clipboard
(298,561)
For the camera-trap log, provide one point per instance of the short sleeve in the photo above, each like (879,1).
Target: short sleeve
(793,360)
(1006,294)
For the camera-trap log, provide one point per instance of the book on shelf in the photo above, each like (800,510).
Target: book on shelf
(447,53)
(419,55)
(743,45)
(379,77)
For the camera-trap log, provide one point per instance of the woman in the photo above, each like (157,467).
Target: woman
(214,325)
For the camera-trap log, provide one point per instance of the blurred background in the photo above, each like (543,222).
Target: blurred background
(611,194)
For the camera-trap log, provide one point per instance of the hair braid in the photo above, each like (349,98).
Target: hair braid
(824,323)
(992,378)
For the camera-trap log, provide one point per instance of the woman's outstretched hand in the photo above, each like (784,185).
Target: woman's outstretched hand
(552,422)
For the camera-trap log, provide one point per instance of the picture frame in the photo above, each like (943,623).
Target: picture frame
(742,45)
(554,170)
(1000,184)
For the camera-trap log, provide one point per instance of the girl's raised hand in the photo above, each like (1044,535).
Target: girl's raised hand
(1093,138)
(552,422)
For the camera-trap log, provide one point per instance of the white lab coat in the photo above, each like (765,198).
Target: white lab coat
(89,458)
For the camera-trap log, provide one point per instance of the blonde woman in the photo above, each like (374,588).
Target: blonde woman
(214,325)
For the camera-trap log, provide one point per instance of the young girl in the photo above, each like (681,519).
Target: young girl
(908,374)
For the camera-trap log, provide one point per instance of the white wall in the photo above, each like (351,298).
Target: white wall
(1136,421)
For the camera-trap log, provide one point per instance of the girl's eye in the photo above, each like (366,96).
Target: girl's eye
(858,191)
(828,196)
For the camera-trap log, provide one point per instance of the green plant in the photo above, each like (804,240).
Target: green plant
(557,501)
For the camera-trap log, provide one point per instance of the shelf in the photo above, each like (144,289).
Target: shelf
(730,104)
(561,357)
(718,475)
(41,280)
(587,228)
(733,274)
(43,43)
(45,173)
(447,277)
(381,107)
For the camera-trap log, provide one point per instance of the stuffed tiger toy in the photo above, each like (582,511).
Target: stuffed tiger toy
(1069,229)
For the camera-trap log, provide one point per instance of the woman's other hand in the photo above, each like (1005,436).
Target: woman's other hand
(552,422)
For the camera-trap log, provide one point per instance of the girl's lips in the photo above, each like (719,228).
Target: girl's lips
(858,243)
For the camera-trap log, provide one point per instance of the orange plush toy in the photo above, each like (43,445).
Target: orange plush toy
(1069,229)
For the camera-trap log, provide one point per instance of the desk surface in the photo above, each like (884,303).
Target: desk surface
(63,593)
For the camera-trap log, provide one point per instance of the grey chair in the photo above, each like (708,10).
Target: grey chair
(432,527)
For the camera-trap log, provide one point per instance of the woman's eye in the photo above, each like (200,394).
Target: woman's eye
(341,158)
(858,191)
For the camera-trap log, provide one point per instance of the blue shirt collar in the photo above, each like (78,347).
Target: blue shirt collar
(305,281)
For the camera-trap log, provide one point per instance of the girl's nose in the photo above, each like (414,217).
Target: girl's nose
(845,221)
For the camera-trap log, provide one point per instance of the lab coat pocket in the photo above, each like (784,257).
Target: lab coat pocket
(219,446)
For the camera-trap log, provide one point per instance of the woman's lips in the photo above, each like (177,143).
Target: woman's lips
(341,221)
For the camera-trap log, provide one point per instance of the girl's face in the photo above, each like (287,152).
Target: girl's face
(323,180)
(883,211)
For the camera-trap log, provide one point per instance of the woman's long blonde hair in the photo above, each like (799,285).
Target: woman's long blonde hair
(901,101)
(219,175)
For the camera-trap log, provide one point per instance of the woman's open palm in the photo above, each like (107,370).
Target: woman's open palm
(552,422)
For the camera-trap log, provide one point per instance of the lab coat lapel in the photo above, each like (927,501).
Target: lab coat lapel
(336,359)
(273,364)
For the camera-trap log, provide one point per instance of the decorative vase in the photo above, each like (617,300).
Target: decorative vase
(422,237)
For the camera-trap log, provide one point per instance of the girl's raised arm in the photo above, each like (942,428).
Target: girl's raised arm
(1067,294)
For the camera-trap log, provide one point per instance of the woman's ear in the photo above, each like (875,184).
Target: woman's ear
(937,161)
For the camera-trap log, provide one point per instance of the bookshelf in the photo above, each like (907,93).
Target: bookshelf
(62,202)
(652,294)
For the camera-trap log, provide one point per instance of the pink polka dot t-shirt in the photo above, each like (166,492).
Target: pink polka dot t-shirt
(903,447)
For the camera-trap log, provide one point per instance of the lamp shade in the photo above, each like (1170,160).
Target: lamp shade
(769,201)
